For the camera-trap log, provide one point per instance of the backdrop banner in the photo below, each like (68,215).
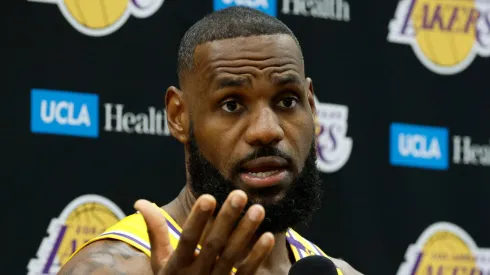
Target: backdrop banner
(403,131)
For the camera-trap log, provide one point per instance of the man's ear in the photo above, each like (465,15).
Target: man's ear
(311,95)
(177,114)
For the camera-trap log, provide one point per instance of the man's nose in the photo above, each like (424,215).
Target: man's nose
(264,128)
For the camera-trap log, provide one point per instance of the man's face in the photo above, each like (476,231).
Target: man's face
(252,128)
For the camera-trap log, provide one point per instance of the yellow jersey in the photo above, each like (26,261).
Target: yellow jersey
(132,230)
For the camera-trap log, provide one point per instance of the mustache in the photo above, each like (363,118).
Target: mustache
(262,152)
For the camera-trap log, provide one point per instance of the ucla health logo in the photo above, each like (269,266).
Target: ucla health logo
(102,17)
(446,36)
(419,146)
(266,6)
(64,113)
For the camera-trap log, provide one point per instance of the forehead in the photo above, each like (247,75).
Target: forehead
(258,52)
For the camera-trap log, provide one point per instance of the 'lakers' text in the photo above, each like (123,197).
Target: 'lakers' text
(446,35)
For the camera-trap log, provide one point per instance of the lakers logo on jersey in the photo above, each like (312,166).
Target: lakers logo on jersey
(446,35)
(103,17)
(445,248)
(83,219)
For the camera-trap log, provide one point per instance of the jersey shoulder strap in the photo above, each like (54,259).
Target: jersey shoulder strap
(302,248)
(132,230)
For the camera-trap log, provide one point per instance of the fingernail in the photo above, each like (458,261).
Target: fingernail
(267,239)
(237,201)
(205,205)
(254,214)
(138,202)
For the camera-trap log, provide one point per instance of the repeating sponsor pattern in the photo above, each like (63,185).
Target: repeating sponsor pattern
(402,133)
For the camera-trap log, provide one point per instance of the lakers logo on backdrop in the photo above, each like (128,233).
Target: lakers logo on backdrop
(332,144)
(103,17)
(83,219)
(446,35)
(445,248)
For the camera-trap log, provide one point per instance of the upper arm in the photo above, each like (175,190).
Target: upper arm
(346,268)
(109,257)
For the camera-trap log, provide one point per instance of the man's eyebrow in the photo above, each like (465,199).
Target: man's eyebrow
(241,81)
(286,79)
(226,82)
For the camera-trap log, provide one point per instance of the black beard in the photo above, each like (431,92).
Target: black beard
(297,206)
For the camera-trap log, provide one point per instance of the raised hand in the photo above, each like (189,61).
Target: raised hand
(223,244)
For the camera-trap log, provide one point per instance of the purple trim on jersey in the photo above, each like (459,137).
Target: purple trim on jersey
(177,232)
(56,246)
(173,228)
(127,237)
(292,241)
(317,251)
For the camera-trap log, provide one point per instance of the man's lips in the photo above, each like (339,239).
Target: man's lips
(264,171)
(265,164)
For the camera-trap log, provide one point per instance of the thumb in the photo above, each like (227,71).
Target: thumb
(158,233)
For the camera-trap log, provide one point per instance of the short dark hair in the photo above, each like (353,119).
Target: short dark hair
(232,22)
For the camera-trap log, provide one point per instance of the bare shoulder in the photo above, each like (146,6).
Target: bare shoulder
(346,268)
(108,257)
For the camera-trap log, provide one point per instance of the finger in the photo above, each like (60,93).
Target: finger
(240,239)
(192,230)
(221,230)
(161,249)
(256,257)
(207,229)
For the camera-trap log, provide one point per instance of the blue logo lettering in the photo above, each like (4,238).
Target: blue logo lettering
(419,146)
(267,6)
(64,113)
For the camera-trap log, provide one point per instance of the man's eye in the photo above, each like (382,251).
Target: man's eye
(288,102)
(231,106)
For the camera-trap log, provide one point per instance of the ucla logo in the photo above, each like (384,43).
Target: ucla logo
(83,219)
(333,146)
(55,109)
(445,248)
(446,36)
(64,113)
(103,17)
(267,6)
(419,146)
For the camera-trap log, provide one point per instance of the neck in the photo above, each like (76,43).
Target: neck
(180,208)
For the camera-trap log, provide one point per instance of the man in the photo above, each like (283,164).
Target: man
(245,114)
